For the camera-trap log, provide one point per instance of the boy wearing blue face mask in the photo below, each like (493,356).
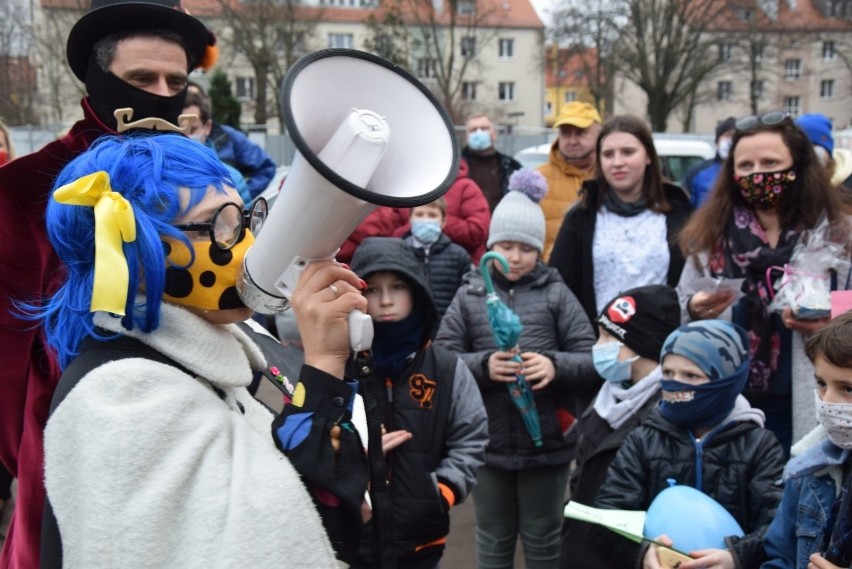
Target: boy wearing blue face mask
(445,262)
(703,434)
(632,328)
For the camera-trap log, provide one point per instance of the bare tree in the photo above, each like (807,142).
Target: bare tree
(387,34)
(590,33)
(665,50)
(272,35)
(17,76)
(446,38)
(46,31)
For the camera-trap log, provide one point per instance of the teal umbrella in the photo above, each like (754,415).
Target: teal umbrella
(507,329)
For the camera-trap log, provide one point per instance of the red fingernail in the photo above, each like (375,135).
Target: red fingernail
(363,283)
(344,265)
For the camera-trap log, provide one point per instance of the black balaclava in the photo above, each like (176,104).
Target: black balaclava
(107,93)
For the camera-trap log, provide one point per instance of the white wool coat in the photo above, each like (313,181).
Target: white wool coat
(147,467)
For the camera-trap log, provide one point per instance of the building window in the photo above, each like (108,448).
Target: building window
(469,91)
(758,51)
(507,48)
(828,52)
(506,91)
(726,51)
(791,105)
(792,69)
(426,68)
(340,40)
(245,87)
(724,91)
(826,89)
(548,108)
(466,8)
(468,46)
(570,96)
(757,89)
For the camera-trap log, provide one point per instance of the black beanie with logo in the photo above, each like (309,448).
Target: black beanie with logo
(642,318)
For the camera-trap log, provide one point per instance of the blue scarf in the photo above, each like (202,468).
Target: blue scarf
(720,350)
(394,342)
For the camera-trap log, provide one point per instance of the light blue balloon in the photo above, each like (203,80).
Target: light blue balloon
(692,519)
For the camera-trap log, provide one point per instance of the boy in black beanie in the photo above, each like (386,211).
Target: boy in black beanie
(632,329)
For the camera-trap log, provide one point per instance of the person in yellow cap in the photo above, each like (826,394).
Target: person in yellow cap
(572,160)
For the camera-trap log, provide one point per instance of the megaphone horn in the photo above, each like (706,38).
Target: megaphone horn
(367,133)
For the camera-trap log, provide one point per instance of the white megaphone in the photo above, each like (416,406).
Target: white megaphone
(367,134)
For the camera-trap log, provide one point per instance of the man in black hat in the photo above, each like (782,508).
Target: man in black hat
(130,54)
(699,179)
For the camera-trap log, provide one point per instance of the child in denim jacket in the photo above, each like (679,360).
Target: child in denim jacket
(814,521)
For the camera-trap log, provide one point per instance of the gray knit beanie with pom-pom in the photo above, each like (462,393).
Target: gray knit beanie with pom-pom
(518,217)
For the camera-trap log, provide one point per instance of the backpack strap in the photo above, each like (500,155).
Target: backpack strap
(93,354)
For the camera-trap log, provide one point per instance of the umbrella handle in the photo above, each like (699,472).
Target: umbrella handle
(483,268)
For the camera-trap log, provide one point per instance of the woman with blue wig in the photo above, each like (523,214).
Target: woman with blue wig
(156,455)
(703,434)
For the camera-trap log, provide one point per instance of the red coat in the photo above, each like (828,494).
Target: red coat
(28,374)
(468,219)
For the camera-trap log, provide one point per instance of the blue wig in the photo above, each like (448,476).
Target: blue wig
(148,171)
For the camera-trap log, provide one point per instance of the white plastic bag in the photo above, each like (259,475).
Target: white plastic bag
(805,282)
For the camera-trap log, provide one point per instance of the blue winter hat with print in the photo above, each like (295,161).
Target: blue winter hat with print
(720,350)
(818,129)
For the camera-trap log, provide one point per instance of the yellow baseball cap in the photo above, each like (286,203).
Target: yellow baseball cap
(581,115)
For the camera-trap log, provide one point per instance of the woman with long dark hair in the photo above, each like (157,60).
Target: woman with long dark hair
(770,190)
(622,232)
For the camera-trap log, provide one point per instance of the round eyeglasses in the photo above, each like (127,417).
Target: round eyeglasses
(229,222)
(769,119)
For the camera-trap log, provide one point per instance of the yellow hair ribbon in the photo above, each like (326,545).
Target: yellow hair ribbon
(114,223)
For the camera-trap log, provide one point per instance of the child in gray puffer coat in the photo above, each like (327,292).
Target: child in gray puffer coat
(520,489)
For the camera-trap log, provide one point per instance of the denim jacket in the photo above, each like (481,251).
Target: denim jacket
(812,481)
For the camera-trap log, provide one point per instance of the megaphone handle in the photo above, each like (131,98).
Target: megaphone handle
(360,331)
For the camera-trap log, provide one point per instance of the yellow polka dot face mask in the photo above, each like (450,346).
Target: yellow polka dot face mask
(209,283)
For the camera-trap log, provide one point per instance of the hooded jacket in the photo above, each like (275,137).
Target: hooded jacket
(563,189)
(468,215)
(737,464)
(436,399)
(554,325)
(572,252)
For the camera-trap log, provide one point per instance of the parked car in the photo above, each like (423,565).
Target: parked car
(678,153)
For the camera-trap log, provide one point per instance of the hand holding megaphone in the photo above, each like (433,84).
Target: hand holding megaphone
(340,107)
(327,293)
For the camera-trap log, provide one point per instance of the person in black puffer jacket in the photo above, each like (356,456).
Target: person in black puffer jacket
(631,331)
(704,434)
(521,488)
(444,261)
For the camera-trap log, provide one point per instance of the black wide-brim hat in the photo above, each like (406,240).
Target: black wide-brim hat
(112,16)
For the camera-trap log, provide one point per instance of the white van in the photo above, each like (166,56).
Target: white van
(678,153)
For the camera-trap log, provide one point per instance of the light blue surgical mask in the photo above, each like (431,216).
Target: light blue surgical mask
(605,359)
(479,140)
(426,231)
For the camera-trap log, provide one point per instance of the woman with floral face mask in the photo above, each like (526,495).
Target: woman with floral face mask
(156,455)
(770,190)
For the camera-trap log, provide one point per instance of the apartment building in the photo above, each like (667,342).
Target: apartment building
(503,50)
(791,55)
